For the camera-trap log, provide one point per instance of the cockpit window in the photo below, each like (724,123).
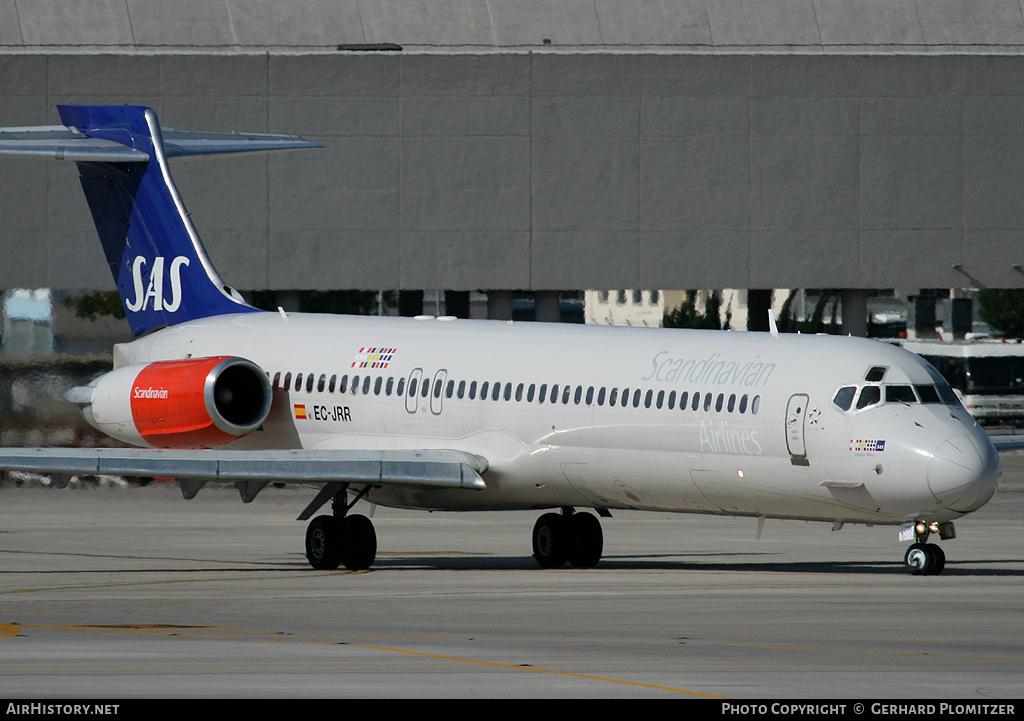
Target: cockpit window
(947,395)
(844,397)
(900,394)
(875,374)
(869,396)
(928,394)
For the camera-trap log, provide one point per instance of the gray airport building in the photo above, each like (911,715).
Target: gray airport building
(547,145)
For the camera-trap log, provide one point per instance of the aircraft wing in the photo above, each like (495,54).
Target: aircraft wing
(1008,443)
(424,468)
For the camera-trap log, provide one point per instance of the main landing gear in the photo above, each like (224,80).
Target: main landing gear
(923,558)
(341,539)
(568,536)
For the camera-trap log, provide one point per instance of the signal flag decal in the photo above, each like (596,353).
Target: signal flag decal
(373,357)
(300,411)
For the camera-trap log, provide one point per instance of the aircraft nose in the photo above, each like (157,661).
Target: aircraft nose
(962,476)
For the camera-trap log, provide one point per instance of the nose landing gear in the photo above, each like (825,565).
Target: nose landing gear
(923,558)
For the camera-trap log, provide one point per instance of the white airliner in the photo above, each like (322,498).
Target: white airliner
(460,415)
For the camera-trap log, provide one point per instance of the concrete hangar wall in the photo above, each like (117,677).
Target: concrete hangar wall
(544,145)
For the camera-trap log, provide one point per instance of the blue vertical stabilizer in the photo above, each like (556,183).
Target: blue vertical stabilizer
(161,269)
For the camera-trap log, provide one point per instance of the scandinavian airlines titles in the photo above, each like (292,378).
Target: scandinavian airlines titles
(711,370)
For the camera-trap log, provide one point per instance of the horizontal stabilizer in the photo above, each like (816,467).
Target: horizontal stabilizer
(427,468)
(60,143)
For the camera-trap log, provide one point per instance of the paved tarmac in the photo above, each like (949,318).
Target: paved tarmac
(126,593)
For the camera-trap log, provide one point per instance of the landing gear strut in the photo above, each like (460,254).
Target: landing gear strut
(341,539)
(569,536)
(923,558)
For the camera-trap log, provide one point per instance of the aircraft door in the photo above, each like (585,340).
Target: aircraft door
(437,392)
(412,389)
(796,415)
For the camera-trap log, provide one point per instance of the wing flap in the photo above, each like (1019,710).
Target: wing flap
(429,468)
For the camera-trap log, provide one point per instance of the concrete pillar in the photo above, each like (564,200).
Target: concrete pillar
(921,317)
(456,303)
(499,304)
(961,317)
(759,302)
(855,312)
(547,306)
(287,300)
(410,303)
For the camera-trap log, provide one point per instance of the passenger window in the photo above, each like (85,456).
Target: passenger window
(708,397)
(600,396)
(277,379)
(483,390)
(472,391)
(438,387)
(844,397)
(531,392)
(366,385)
(660,402)
(566,390)
(343,386)
(462,389)
(400,391)
(900,394)
(389,386)
(332,384)
(719,402)
(636,398)
(613,396)
(451,389)
(732,403)
(355,385)
(377,385)
(590,396)
(298,382)
(321,384)
(869,396)
(755,404)
(696,402)
(495,391)
(743,404)
(672,400)
(647,398)
(287,381)
(412,385)
(542,394)
(508,391)
(683,398)
(519,392)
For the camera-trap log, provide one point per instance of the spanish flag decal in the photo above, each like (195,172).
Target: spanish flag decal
(300,411)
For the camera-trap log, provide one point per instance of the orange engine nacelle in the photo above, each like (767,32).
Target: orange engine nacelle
(194,403)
